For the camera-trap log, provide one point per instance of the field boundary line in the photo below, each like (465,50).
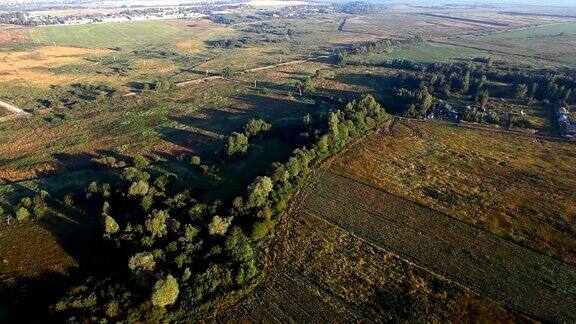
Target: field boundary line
(251,70)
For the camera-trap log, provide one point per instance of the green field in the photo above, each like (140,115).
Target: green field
(547,30)
(432,53)
(110,35)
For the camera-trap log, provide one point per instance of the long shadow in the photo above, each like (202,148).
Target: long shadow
(347,95)
(197,142)
(376,82)
(26,300)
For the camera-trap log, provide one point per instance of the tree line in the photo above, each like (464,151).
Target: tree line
(164,248)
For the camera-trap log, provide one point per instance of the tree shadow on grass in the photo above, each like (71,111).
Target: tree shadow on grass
(376,82)
(27,300)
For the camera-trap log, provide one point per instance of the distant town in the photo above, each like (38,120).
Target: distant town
(84,16)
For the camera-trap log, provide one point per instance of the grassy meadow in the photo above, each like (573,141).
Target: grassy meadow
(129,34)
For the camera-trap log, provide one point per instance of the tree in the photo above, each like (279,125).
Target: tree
(141,162)
(156,223)
(219,225)
(255,127)
(237,144)
(165,291)
(139,188)
(482,98)
(142,261)
(305,85)
(521,91)
(258,192)
(259,231)
(110,225)
(22,214)
(195,160)
(341,58)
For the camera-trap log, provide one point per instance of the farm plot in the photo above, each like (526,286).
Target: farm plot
(494,267)
(323,273)
(513,186)
(111,34)
(403,25)
(553,43)
(287,300)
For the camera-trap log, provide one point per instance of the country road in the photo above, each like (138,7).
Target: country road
(256,69)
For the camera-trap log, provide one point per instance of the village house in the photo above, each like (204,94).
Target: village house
(567,128)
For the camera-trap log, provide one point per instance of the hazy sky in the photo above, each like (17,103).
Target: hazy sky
(571,3)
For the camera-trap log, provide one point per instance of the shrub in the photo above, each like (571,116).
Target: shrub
(68,200)
(22,214)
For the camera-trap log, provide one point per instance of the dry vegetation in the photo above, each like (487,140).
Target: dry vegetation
(514,186)
(321,273)
(43,252)
(489,265)
(25,66)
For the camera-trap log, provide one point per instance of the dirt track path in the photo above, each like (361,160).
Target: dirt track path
(493,267)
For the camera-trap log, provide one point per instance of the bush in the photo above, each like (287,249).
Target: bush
(68,200)
(195,160)
(22,214)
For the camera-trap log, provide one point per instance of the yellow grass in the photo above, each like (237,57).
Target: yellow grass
(24,66)
(197,42)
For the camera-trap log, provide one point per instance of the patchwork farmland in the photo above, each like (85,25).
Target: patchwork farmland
(317,163)
(353,223)
(492,266)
